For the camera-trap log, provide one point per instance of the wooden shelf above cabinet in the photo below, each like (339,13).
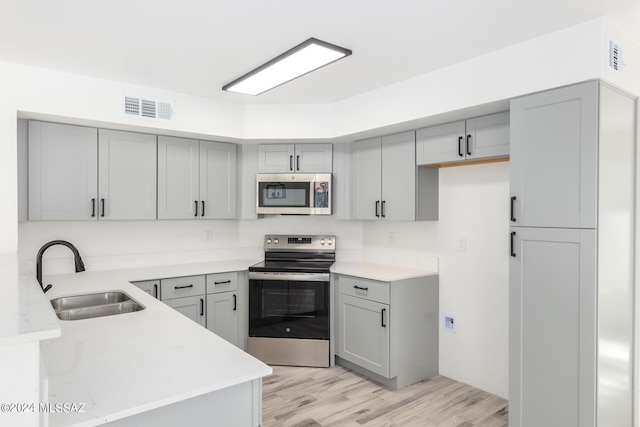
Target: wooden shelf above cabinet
(467,162)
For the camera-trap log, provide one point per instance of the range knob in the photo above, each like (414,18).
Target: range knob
(268,240)
(275,240)
(330,242)
(322,242)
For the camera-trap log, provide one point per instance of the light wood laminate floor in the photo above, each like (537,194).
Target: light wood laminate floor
(311,397)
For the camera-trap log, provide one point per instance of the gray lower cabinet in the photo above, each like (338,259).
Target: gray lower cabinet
(388,330)
(152,287)
(216,301)
(472,139)
(552,321)
(192,307)
(571,274)
(223,307)
(187,296)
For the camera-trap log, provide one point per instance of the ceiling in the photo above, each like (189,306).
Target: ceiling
(197,46)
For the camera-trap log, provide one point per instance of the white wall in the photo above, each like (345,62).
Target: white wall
(474,284)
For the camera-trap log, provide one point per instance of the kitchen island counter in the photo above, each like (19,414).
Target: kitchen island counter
(136,363)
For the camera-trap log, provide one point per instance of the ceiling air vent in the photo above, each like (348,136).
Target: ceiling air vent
(148,108)
(615,56)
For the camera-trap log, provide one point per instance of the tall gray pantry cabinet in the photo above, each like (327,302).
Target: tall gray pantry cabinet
(571,268)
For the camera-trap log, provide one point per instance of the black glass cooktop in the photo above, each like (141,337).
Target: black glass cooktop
(297,266)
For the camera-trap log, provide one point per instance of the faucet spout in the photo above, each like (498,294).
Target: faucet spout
(79,265)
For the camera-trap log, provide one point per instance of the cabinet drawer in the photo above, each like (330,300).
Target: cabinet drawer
(372,290)
(222,282)
(179,287)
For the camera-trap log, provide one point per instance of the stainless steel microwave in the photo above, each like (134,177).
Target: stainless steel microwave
(294,193)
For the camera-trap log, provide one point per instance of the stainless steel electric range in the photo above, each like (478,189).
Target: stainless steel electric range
(289,300)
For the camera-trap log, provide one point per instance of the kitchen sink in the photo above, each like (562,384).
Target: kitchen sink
(87,306)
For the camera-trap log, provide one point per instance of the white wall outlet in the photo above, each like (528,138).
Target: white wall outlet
(449,323)
(461,244)
(208,235)
(392,237)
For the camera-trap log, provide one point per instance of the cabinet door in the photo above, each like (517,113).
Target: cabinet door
(276,158)
(127,175)
(366,179)
(440,144)
(314,158)
(63,172)
(192,307)
(364,333)
(178,178)
(552,327)
(487,136)
(554,157)
(152,287)
(217,180)
(222,316)
(399,177)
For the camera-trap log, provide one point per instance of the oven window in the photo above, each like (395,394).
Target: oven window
(292,302)
(288,309)
(287,194)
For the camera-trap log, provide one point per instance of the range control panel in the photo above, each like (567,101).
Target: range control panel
(299,242)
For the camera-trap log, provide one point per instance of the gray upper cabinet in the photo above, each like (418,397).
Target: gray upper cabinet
(366,179)
(78,173)
(477,138)
(385,183)
(178,178)
(554,162)
(63,172)
(295,158)
(127,175)
(217,180)
(196,179)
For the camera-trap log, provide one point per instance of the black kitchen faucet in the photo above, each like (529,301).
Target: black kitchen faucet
(76,258)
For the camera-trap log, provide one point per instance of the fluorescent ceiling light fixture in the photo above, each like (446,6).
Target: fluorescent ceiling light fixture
(298,61)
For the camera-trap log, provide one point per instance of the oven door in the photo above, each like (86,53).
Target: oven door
(286,306)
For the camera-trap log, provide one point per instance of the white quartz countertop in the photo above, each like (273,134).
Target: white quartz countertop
(25,312)
(129,363)
(384,273)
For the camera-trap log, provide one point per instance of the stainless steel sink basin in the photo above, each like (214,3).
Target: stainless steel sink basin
(100,304)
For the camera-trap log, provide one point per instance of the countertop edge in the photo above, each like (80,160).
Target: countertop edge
(381,272)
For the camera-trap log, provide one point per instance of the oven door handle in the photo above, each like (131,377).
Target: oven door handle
(292,277)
